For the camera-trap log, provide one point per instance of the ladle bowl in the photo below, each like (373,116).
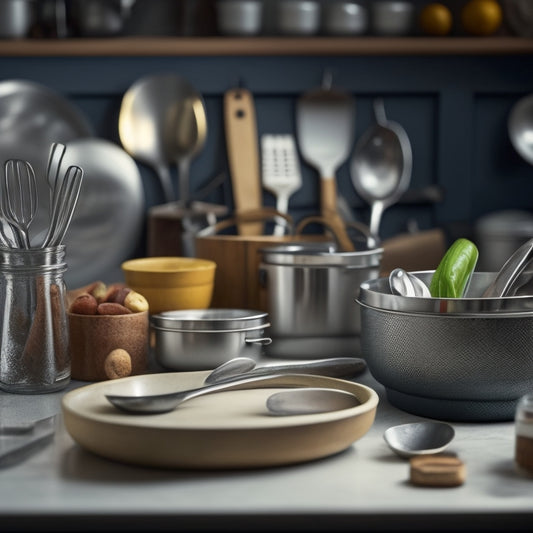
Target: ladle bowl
(381,165)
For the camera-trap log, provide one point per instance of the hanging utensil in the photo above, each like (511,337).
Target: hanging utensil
(381,165)
(19,197)
(243,155)
(185,137)
(325,123)
(280,171)
(147,115)
(520,126)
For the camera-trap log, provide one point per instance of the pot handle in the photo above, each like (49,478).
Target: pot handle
(253,215)
(263,341)
(363,229)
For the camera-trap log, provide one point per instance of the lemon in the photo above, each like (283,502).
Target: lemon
(481,17)
(453,273)
(436,19)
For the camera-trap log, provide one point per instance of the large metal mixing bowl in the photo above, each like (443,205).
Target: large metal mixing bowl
(469,365)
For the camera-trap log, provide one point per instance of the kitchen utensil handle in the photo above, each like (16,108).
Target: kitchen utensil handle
(254,215)
(328,198)
(243,155)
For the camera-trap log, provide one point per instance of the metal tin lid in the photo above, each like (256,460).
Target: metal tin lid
(211,320)
(319,254)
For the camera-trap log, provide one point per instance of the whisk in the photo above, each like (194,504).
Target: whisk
(19,199)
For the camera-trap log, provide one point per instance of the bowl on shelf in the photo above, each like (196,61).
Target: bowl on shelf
(462,359)
(298,17)
(345,18)
(239,17)
(171,283)
(392,18)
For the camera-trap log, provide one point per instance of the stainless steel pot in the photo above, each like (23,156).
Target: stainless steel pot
(201,339)
(311,288)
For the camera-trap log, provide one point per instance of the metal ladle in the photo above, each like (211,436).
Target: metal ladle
(419,438)
(147,123)
(381,165)
(185,137)
(404,283)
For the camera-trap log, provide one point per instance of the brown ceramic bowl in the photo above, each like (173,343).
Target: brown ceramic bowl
(94,337)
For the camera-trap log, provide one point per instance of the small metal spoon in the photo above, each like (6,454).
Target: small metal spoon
(339,367)
(163,403)
(419,438)
(404,283)
(310,401)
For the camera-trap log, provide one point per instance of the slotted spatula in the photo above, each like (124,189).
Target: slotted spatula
(280,170)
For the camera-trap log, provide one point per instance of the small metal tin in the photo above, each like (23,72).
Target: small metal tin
(202,339)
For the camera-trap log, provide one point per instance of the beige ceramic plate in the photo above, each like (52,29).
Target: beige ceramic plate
(230,429)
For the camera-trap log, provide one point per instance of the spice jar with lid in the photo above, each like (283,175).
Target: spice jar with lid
(34,355)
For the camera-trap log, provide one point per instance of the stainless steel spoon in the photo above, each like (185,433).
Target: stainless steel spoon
(163,403)
(404,283)
(505,283)
(310,401)
(339,367)
(381,165)
(419,438)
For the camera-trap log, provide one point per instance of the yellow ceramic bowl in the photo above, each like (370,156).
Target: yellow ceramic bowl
(171,283)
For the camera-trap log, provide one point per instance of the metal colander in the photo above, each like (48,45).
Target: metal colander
(456,366)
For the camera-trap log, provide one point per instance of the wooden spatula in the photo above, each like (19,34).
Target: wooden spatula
(243,155)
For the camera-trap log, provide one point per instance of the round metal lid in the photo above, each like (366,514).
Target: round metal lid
(211,319)
(319,254)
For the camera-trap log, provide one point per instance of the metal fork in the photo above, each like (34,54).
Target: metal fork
(19,198)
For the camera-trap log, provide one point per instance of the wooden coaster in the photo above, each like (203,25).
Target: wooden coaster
(438,470)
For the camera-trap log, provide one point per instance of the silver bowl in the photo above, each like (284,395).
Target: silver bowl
(457,360)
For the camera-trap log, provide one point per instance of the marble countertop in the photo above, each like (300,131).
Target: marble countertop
(365,487)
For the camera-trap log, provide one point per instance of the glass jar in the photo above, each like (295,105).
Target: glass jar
(524,433)
(34,354)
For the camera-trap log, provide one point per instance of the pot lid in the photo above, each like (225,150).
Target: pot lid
(211,319)
(319,254)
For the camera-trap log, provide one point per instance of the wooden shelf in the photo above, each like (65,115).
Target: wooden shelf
(263,46)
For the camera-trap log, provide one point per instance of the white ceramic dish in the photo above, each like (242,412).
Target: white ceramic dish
(231,429)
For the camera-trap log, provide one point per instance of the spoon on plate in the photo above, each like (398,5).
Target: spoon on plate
(164,403)
(404,283)
(419,438)
(338,367)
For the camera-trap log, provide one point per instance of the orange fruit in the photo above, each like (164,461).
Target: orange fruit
(481,17)
(436,19)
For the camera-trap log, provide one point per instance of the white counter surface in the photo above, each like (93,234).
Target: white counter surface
(364,488)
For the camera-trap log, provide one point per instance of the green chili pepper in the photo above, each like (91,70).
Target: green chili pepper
(451,278)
